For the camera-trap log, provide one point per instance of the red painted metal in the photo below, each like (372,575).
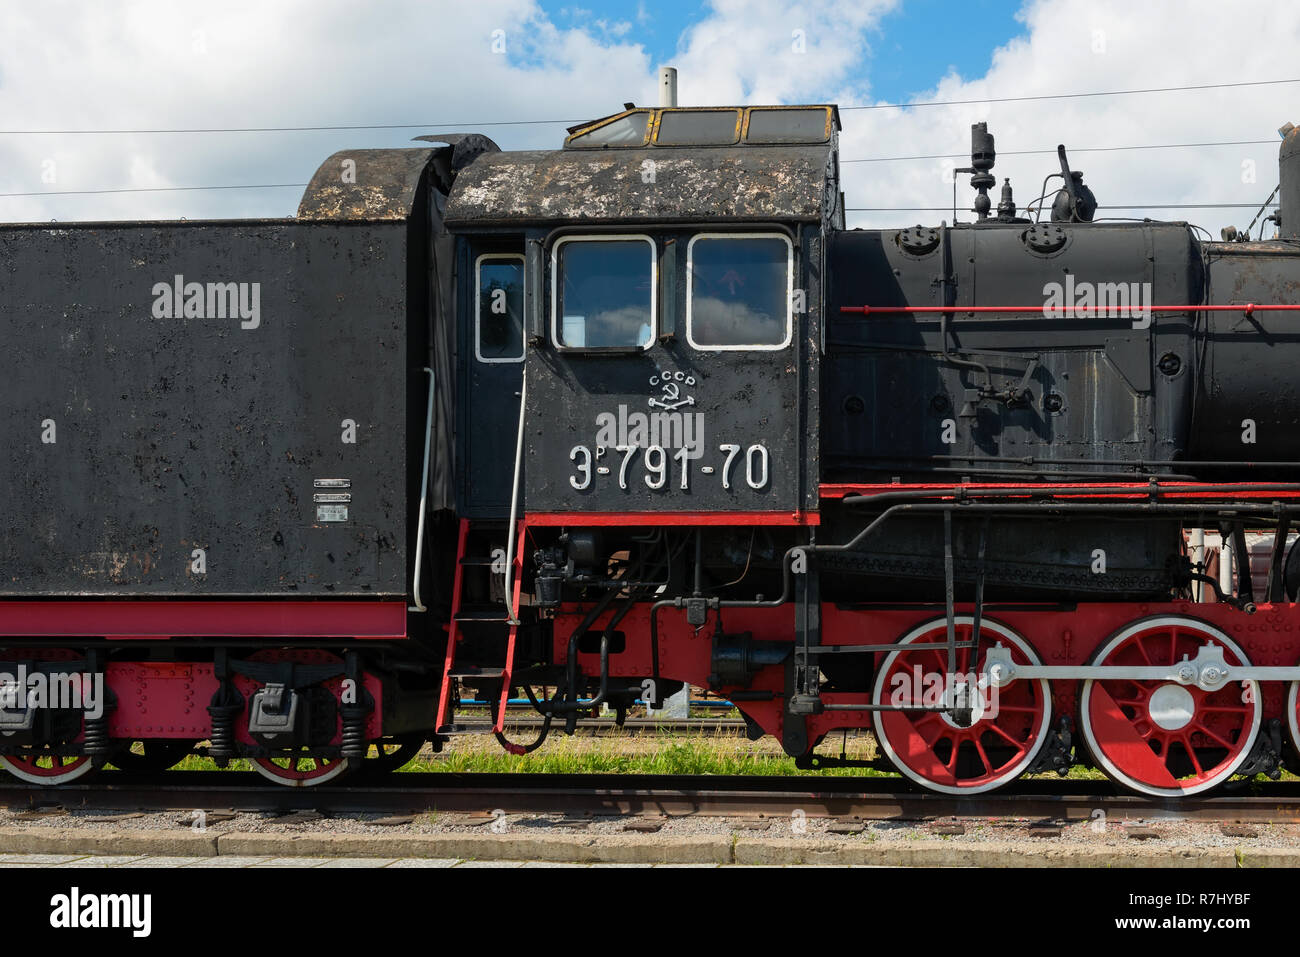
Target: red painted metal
(292,773)
(673,518)
(131,619)
(48,767)
(508,668)
(1060,635)
(1074,313)
(443,714)
(1064,490)
(160,700)
(1133,748)
(170,699)
(1009,726)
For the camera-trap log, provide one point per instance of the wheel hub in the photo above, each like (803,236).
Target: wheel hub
(1171,707)
(968,696)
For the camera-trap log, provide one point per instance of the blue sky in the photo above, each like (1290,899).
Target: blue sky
(296,65)
(915,45)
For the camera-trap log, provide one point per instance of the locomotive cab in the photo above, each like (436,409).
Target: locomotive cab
(671,271)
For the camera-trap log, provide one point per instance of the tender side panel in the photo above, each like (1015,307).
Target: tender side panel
(175,394)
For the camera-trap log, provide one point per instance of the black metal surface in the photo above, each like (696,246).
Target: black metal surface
(1092,392)
(741,184)
(1249,402)
(172,434)
(687,401)
(367,185)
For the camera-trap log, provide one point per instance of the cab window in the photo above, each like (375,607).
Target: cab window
(738,291)
(499,309)
(603,291)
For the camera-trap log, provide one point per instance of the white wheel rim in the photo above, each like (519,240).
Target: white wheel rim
(18,769)
(1040,731)
(1206,631)
(1291,702)
(335,769)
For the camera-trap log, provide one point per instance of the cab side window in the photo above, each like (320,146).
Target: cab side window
(499,308)
(603,292)
(738,291)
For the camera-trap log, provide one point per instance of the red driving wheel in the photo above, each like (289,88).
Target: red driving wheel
(1165,738)
(1008,725)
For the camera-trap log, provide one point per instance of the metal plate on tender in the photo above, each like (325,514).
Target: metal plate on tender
(332,497)
(331,513)
(332,483)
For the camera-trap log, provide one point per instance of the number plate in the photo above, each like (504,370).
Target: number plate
(331,513)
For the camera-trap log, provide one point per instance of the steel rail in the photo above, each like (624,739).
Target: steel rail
(591,795)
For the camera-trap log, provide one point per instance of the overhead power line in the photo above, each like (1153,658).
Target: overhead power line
(948,209)
(570,122)
(153,189)
(1073,150)
(849,209)
(1067,96)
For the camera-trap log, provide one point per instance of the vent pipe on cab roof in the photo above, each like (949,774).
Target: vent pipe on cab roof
(667,86)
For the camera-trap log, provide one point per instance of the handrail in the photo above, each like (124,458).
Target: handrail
(424,497)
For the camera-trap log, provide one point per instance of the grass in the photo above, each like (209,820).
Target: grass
(719,753)
(694,755)
(670,752)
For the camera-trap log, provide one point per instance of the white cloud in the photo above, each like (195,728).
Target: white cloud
(1090,45)
(157,64)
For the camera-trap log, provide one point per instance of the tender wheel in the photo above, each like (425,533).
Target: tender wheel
(391,754)
(301,770)
(1008,727)
(1162,738)
(40,766)
(153,754)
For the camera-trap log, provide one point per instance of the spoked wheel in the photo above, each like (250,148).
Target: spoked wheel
(1293,719)
(153,754)
(301,770)
(1007,728)
(392,754)
(41,766)
(1162,738)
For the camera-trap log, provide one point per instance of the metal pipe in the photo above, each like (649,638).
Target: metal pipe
(1196,548)
(914,500)
(514,503)
(667,86)
(1225,564)
(424,497)
(1072,313)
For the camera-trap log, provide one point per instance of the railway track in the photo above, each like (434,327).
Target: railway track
(600,727)
(646,795)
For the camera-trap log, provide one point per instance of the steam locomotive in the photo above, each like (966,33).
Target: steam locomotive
(593,423)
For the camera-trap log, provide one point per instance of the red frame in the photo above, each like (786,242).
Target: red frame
(152,619)
(1059,637)
(606,519)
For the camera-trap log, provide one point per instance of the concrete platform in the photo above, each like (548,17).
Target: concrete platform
(63,847)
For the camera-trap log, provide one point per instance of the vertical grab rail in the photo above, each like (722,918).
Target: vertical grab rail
(511,603)
(424,496)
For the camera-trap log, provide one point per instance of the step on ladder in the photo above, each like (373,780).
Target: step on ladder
(494,613)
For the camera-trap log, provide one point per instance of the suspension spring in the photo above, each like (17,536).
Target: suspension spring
(95,739)
(355,744)
(228,704)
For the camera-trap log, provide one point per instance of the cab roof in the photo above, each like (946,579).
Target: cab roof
(695,126)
